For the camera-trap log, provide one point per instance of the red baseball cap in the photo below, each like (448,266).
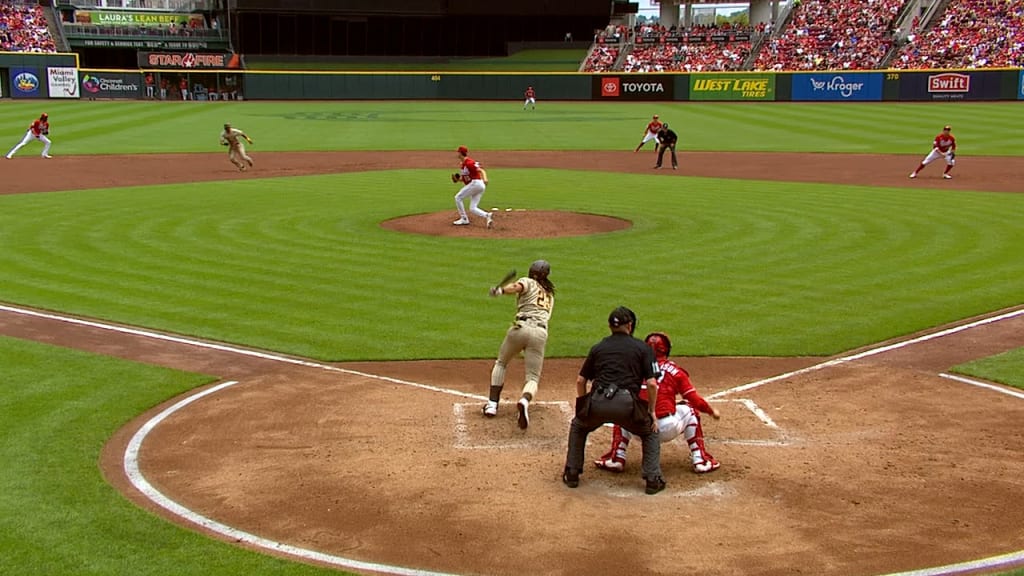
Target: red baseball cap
(463,150)
(655,115)
(947,127)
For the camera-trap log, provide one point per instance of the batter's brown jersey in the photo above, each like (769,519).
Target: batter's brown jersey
(534,302)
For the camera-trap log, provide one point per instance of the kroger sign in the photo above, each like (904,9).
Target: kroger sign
(837,86)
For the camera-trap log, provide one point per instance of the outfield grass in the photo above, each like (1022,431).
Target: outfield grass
(301,265)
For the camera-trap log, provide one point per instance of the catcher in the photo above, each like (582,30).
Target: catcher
(232,138)
(943,146)
(674,420)
(39,130)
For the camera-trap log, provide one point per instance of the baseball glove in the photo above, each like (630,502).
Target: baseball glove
(456,177)
(46,132)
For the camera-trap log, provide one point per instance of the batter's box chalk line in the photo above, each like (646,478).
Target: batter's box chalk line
(464,439)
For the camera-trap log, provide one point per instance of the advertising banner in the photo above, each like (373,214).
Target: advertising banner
(1020,86)
(62,82)
(632,87)
(941,85)
(118,85)
(188,60)
(844,86)
(25,83)
(732,87)
(125,18)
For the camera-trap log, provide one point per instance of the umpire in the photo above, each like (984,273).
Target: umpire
(667,139)
(616,367)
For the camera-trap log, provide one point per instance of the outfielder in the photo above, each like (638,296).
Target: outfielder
(943,146)
(673,419)
(650,133)
(474,180)
(531,98)
(528,334)
(39,130)
(232,138)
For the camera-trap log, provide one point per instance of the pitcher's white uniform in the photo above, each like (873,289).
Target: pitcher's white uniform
(474,179)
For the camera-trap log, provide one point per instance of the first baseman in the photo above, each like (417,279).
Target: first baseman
(474,180)
(650,133)
(232,138)
(535,298)
(943,146)
(39,129)
(674,420)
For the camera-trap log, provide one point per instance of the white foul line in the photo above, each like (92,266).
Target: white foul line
(866,353)
(234,350)
(980,384)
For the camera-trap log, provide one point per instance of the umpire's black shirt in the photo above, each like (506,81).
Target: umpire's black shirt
(621,360)
(667,136)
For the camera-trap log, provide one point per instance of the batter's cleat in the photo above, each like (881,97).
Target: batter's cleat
(947,176)
(490,220)
(250,163)
(612,464)
(524,413)
(8,157)
(461,222)
(913,175)
(571,478)
(655,485)
(47,156)
(491,409)
(709,465)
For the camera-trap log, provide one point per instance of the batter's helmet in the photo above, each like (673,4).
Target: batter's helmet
(540,269)
(622,316)
(659,342)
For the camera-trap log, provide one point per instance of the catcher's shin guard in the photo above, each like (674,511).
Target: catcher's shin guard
(703,461)
(614,459)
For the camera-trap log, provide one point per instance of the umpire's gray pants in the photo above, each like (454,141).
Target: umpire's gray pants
(619,409)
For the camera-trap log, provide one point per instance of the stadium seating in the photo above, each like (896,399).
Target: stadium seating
(23,28)
(969,34)
(832,35)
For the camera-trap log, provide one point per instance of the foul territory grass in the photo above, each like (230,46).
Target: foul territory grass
(301,265)
(1006,368)
(57,514)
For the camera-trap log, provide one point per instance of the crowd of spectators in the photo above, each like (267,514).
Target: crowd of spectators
(833,35)
(23,29)
(969,34)
(702,48)
(602,58)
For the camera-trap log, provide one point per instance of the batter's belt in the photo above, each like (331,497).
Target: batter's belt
(533,321)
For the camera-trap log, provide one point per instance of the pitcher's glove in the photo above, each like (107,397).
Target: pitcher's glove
(456,177)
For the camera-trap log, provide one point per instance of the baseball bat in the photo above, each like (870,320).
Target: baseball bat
(508,277)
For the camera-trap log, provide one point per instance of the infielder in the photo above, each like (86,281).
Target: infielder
(531,99)
(673,419)
(650,133)
(528,334)
(943,146)
(39,129)
(474,180)
(232,138)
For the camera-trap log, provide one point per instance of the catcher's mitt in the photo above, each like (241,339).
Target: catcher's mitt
(456,177)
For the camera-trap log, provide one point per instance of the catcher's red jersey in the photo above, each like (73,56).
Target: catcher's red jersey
(675,381)
(945,142)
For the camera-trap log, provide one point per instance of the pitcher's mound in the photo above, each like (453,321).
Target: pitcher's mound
(509,224)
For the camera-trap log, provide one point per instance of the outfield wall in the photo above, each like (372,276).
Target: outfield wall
(57,76)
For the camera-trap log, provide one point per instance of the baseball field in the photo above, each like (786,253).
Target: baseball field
(306,374)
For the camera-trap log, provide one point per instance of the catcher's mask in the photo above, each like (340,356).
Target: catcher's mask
(540,269)
(659,342)
(622,316)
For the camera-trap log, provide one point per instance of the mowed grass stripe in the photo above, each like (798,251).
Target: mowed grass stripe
(881,128)
(301,265)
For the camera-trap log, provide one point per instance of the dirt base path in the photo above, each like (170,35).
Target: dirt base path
(871,465)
